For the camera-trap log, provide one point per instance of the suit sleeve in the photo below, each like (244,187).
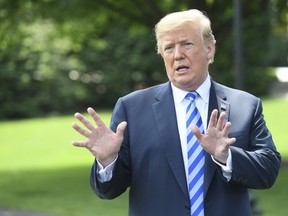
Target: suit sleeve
(255,159)
(120,180)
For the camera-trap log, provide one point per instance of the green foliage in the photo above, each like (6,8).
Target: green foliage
(126,62)
(278,50)
(60,56)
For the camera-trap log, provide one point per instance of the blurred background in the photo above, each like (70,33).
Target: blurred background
(57,56)
(61,56)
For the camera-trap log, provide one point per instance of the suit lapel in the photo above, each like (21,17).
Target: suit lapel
(165,114)
(217,101)
(223,105)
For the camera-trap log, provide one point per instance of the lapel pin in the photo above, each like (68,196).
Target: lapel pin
(223,107)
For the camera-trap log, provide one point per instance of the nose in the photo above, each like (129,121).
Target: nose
(178,53)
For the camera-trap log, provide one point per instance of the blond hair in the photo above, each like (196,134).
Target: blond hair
(183,18)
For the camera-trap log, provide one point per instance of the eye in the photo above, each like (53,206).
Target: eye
(168,49)
(188,45)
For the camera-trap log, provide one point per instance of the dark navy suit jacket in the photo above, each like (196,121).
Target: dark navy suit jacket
(150,160)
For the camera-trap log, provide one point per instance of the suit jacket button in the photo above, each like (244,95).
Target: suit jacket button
(187,206)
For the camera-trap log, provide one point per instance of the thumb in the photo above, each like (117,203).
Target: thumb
(120,128)
(195,130)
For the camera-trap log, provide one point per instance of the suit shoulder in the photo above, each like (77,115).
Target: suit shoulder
(144,93)
(234,93)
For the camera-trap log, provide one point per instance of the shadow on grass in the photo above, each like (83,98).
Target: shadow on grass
(61,192)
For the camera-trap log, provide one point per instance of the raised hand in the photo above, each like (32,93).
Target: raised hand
(215,141)
(101,141)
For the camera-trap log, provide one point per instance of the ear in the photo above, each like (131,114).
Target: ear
(210,50)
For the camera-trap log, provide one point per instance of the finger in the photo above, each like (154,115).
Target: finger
(195,130)
(96,117)
(213,119)
(226,129)
(80,130)
(79,144)
(230,141)
(121,127)
(221,120)
(84,121)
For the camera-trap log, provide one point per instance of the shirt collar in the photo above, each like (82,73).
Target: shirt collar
(203,91)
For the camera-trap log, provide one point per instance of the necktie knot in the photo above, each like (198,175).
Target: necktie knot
(192,95)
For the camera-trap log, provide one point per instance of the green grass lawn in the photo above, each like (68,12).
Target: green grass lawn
(273,202)
(276,115)
(41,171)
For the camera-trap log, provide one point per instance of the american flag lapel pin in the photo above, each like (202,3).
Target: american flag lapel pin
(223,107)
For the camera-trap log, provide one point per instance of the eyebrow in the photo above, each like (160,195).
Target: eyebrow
(170,42)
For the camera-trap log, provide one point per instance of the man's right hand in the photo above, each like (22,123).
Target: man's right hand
(101,141)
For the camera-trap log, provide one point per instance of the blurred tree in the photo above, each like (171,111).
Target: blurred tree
(57,56)
(279,39)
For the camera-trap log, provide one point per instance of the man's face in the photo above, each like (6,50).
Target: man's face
(186,57)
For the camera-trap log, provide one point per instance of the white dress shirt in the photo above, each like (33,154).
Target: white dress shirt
(202,104)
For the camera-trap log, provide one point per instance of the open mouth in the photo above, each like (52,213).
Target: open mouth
(182,68)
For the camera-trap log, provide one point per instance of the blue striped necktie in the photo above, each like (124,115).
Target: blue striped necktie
(195,158)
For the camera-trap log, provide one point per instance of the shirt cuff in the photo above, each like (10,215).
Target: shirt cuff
(226,168)
(105,174)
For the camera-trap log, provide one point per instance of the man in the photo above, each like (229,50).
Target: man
(175,162)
